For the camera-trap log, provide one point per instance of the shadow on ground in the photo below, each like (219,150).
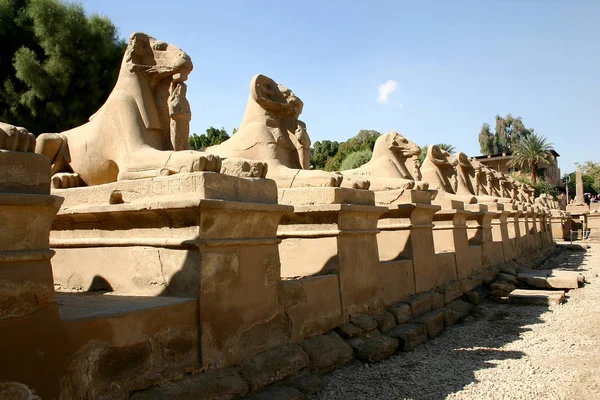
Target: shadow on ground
(448,363)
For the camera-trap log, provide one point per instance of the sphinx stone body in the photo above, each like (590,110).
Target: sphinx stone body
(394,164)
(142,129)
(439,171)
(271,132)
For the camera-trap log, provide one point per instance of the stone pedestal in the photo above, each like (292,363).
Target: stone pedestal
(593,223)
(558,225)
(31,337)
(207,236)
(333,231)
(450,235)
(524,238)
(479,232)
(514,230)
(406,234)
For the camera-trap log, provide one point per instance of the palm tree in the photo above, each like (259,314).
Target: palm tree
(531,151)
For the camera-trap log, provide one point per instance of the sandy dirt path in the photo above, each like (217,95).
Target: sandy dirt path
(503,352)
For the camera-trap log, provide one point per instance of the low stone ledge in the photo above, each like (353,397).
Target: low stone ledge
(273,365)
(373,347)
(409,335)
(433,322)
(327,352)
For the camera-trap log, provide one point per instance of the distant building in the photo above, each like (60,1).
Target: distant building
(499,162)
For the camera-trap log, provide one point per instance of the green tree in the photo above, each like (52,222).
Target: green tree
(589,184)
(507,132)
(592,169)
(486,139)
(364,140)
(540,187)
(321,152)
(529,152)
(356,159)
(212,137)
(57,65)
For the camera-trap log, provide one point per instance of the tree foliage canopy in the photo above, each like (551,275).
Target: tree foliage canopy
(329,155)
(529,152)
(57,65)
(507,132)
(212,137)
(356,159)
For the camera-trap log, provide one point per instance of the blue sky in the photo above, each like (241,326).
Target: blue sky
(455,64)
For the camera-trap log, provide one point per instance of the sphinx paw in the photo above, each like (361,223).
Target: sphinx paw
(191,161)
(65,180)
(14,138)
(243,168)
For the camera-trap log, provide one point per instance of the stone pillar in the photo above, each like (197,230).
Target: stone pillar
(334,231)
(525,236)
(594,225)
(32,345)
(514,233)
(579,187)
(406,233)
(557,225)
(479,231)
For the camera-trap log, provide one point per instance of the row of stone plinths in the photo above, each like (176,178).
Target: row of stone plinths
(265,267)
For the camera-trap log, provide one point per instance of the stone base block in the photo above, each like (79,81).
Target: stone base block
(325,195)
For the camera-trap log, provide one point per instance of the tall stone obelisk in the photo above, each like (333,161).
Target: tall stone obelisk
(579,187)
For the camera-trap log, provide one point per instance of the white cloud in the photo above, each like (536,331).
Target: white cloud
(385,90)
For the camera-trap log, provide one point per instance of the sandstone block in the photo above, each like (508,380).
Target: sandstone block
(437,300)
(278,393)
(373,346)
(536,297)
(327,352)
(562,280)
(489,274)
(385,321)
(473,297)
(364,322)
(420,304)
(509,271)
(401,312)
(409,335)
(512,279)
(222,384)
(461,307)
(307,384)
(451,291)
(273,365)
(451,317)
(433,322)
(348,331)
(501,289)
(471,282)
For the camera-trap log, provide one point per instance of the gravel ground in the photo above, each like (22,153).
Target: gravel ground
(504,352)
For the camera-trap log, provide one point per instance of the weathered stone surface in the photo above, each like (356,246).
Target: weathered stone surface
(409,335)
(451,317)
(385,321)
(348,331)
(401,312)
(364,322)
(451,291)
(536,297)
(278,392)
(420,304)
(223,384)
(461,307)
(433,322)
(508,278)
(509,271)
(501,289)
(307,384)
(471,282)
(552,279)
(489,274)
(373,346)
(473,297)
(327,352)
(437,300)
(273,365)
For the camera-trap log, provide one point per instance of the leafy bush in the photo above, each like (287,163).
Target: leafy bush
(356,159)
